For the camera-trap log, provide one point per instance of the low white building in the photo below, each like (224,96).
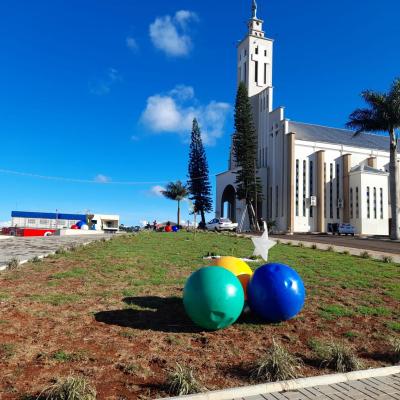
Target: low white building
(311,175)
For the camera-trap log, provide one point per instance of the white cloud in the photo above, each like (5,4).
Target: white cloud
(170,34)
(174,112)
(132,44)
(157,190)
(102,179)
(103,86)
(5,224)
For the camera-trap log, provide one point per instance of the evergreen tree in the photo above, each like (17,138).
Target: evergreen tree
(199,183)
(245,154)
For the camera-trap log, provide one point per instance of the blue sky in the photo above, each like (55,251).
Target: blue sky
(102,91)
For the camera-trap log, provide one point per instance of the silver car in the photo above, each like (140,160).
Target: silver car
(221,224)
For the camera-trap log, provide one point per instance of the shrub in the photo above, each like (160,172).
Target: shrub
(365,254)
(387,259)
(36,259)
(338,357)
(276,365)
(314,246)
(13,263)
(181,381)
(301,244)
(61,251)
(346,252)
(71,388)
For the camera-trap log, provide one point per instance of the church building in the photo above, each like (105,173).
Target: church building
(311,175)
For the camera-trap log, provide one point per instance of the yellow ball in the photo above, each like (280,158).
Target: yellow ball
(238,267)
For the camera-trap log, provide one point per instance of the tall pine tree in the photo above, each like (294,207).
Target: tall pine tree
(245,154)
(199,182)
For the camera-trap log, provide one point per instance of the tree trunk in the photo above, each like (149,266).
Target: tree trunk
(394,187)
(179,213)
(203,217)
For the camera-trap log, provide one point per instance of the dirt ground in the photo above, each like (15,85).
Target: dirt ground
(114,315)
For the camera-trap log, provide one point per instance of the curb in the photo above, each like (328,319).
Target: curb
(291,385)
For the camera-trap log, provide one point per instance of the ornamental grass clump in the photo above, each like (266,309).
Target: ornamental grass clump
(276,365)
(395,348)
(181,381)
(339,357)
(71,388)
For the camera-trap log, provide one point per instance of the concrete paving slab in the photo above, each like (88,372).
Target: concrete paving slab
(25,249)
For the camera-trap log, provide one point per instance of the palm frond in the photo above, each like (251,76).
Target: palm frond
(366,120)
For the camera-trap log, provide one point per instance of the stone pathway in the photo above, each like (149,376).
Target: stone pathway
(380,388)
(27,248)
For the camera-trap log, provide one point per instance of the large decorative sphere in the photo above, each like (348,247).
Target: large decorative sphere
(238,267)
(175,228)
(276,292)
(168,228)
(213,298)
(74,227)
(80,223)
(84,227)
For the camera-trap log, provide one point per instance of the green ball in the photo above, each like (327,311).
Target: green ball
(213,298)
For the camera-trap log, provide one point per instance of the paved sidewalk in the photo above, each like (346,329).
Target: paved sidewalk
(386,387)
(26,248)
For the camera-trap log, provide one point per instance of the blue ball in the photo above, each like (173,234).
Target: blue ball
(175,228)
(80,223)
(276,292)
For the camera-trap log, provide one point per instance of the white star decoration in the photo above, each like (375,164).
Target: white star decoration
(263,244)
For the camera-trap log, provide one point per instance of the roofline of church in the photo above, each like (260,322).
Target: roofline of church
(332,127)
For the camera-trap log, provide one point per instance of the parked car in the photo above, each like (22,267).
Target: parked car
(341,229)
(346,229)
(221,224)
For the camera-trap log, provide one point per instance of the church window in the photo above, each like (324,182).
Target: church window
(337,190)
(311,178)
(351,204)
(265,53)
(375,209)
(368,203)
(331,191)
(256,50)
(256,71)
(265,73)
(297,187)
(357,204)
(304,187)
(381,201)
(245,71)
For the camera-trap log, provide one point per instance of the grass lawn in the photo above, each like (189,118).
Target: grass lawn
(112,312)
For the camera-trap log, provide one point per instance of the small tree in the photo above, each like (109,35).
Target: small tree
(199,183)
(176,191)
(245,154)
(383,115)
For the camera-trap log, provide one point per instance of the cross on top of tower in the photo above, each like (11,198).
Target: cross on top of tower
(254,9)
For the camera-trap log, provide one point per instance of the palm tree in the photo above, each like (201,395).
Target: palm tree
(383,115)
(176,191)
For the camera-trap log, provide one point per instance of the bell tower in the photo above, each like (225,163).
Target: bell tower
(254,56)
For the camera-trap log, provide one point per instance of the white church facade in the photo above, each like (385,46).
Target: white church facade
(311,175)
